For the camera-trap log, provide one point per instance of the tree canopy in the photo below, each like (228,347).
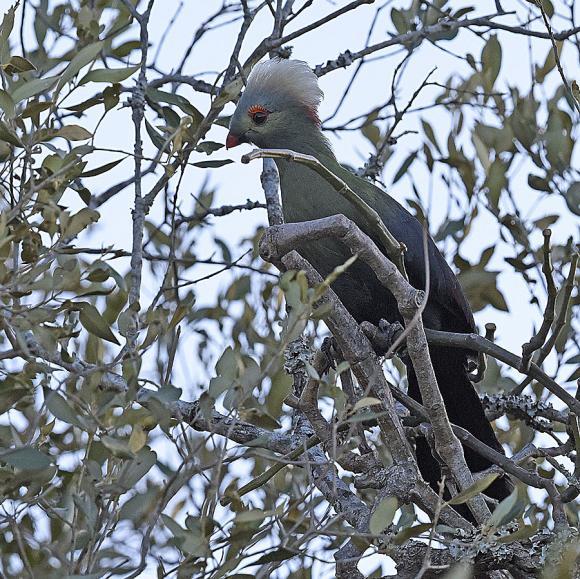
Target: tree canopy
(166,405)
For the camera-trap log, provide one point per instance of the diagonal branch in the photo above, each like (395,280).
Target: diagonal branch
(394,248)
(279,240)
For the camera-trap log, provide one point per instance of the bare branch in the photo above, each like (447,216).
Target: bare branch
(394,248)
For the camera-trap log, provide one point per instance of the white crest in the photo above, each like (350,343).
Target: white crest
(292,80)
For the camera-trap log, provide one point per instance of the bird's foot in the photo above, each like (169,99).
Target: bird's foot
(392,333)
(383,337)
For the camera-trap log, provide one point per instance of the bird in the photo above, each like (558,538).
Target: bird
(279,110)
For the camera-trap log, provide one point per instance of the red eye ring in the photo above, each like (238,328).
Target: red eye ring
(258,114)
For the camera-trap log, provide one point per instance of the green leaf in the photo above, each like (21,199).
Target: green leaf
(109,74)
(5,30)
(138,506)
(111,96)
(252,515)
(227,371)
(383,515)
(372,133)
(476,488)
(18,64)
(523,533)
(73,133)
(399,21)
(94,323)
(506,511)
(192,540)
(212,164)
(35,108)
(102,169)
(87,104)
(126,48)
(209,147)
(26,458)
(549,63)
(491,60)
(559,143)
(495,298)
(171,118)
(85,56)
(157,139)
(573,198)
(160,96)
(496,181)
(430,134)
(62,410)
(8,135)
(117,446)
(405,165)
(6,103)
(281,554)
(133,471)
(80,221)
(538,183)
(10,396)
(33,88)
(138,438)
(545,221)
(409,532)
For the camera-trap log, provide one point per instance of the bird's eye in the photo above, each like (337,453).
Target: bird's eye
(258,114)
(259,118)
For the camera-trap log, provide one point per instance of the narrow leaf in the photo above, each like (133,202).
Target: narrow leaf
(102,169)
(9,136)
(383,515)
(5,30)
(506,511)
(85,56)
(117,447)
(94,323)
(62,410)
(409,532)
(18,64)
(33,88)
(80,221)
(26,458)
(73,133)
(160,96)
(109,74)
(6,103)
(212,164)
(476,488)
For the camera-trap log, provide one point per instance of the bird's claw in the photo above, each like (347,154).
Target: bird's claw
(389,332)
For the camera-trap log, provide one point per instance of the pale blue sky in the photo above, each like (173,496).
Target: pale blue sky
(236,182)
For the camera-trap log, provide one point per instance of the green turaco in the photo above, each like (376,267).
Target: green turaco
(279,109)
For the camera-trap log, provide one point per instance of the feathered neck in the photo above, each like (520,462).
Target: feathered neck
(304,136)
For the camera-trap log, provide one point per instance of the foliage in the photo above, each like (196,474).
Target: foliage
(99,474)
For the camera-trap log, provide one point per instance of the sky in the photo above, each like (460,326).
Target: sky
(236,182)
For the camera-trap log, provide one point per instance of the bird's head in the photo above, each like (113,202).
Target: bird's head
(280,102)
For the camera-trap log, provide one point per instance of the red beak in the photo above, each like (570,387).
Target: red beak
(232,141)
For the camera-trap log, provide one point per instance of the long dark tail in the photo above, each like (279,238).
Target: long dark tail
(464,408)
